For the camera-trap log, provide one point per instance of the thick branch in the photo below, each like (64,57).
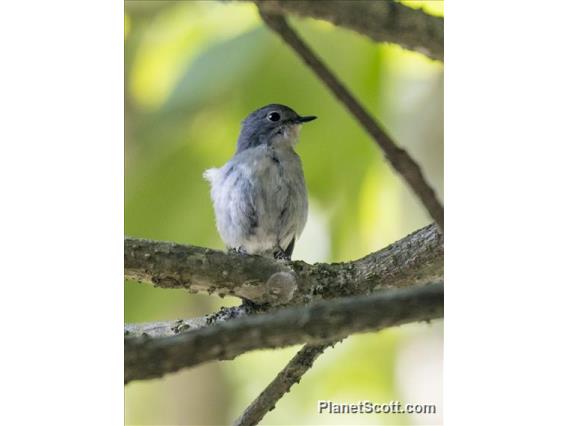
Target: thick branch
(282,383)
(382,21)
(197,269)
(403,163)
(416,259)
(320,323)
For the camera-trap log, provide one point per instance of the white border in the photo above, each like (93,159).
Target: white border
(61,171)
(506,144)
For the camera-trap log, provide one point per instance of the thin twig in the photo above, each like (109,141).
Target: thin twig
(288,377)
(398,157)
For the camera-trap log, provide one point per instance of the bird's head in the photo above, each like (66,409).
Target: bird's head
(272,124)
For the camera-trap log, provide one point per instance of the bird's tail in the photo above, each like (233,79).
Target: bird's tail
(211,175)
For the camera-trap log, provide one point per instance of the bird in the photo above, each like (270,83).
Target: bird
(259,196)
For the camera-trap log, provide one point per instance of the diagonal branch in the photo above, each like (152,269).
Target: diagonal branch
(319,323)
(382,21)
(398,157)
(282,383)
(415,259)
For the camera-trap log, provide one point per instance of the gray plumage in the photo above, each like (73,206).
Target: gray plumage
(259,196)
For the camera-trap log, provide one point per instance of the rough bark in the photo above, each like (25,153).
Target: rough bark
(416,259)
(320,323)
(173,328)
(197,269)
(382,21)
(163,328)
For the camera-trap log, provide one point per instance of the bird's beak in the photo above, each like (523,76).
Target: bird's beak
(306,118)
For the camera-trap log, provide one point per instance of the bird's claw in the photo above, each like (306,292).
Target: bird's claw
(238,250)
(279,254)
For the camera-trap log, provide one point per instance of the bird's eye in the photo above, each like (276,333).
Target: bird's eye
(273,116)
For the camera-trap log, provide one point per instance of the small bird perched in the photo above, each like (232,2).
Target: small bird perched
(259,196)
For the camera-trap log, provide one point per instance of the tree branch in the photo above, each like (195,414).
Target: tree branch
(323,322)
(382,21)
(397,157)
(282,383)
(197,269)
(173,328)
(163,328)
(415,259)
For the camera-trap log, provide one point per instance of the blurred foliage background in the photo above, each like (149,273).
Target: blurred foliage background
(193,71)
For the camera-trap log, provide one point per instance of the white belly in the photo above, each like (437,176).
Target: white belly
(259,199)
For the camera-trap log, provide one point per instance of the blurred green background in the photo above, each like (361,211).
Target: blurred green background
(193,71)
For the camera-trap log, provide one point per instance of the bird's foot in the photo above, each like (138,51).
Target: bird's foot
(280,254)
(250,308)
(238,250)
